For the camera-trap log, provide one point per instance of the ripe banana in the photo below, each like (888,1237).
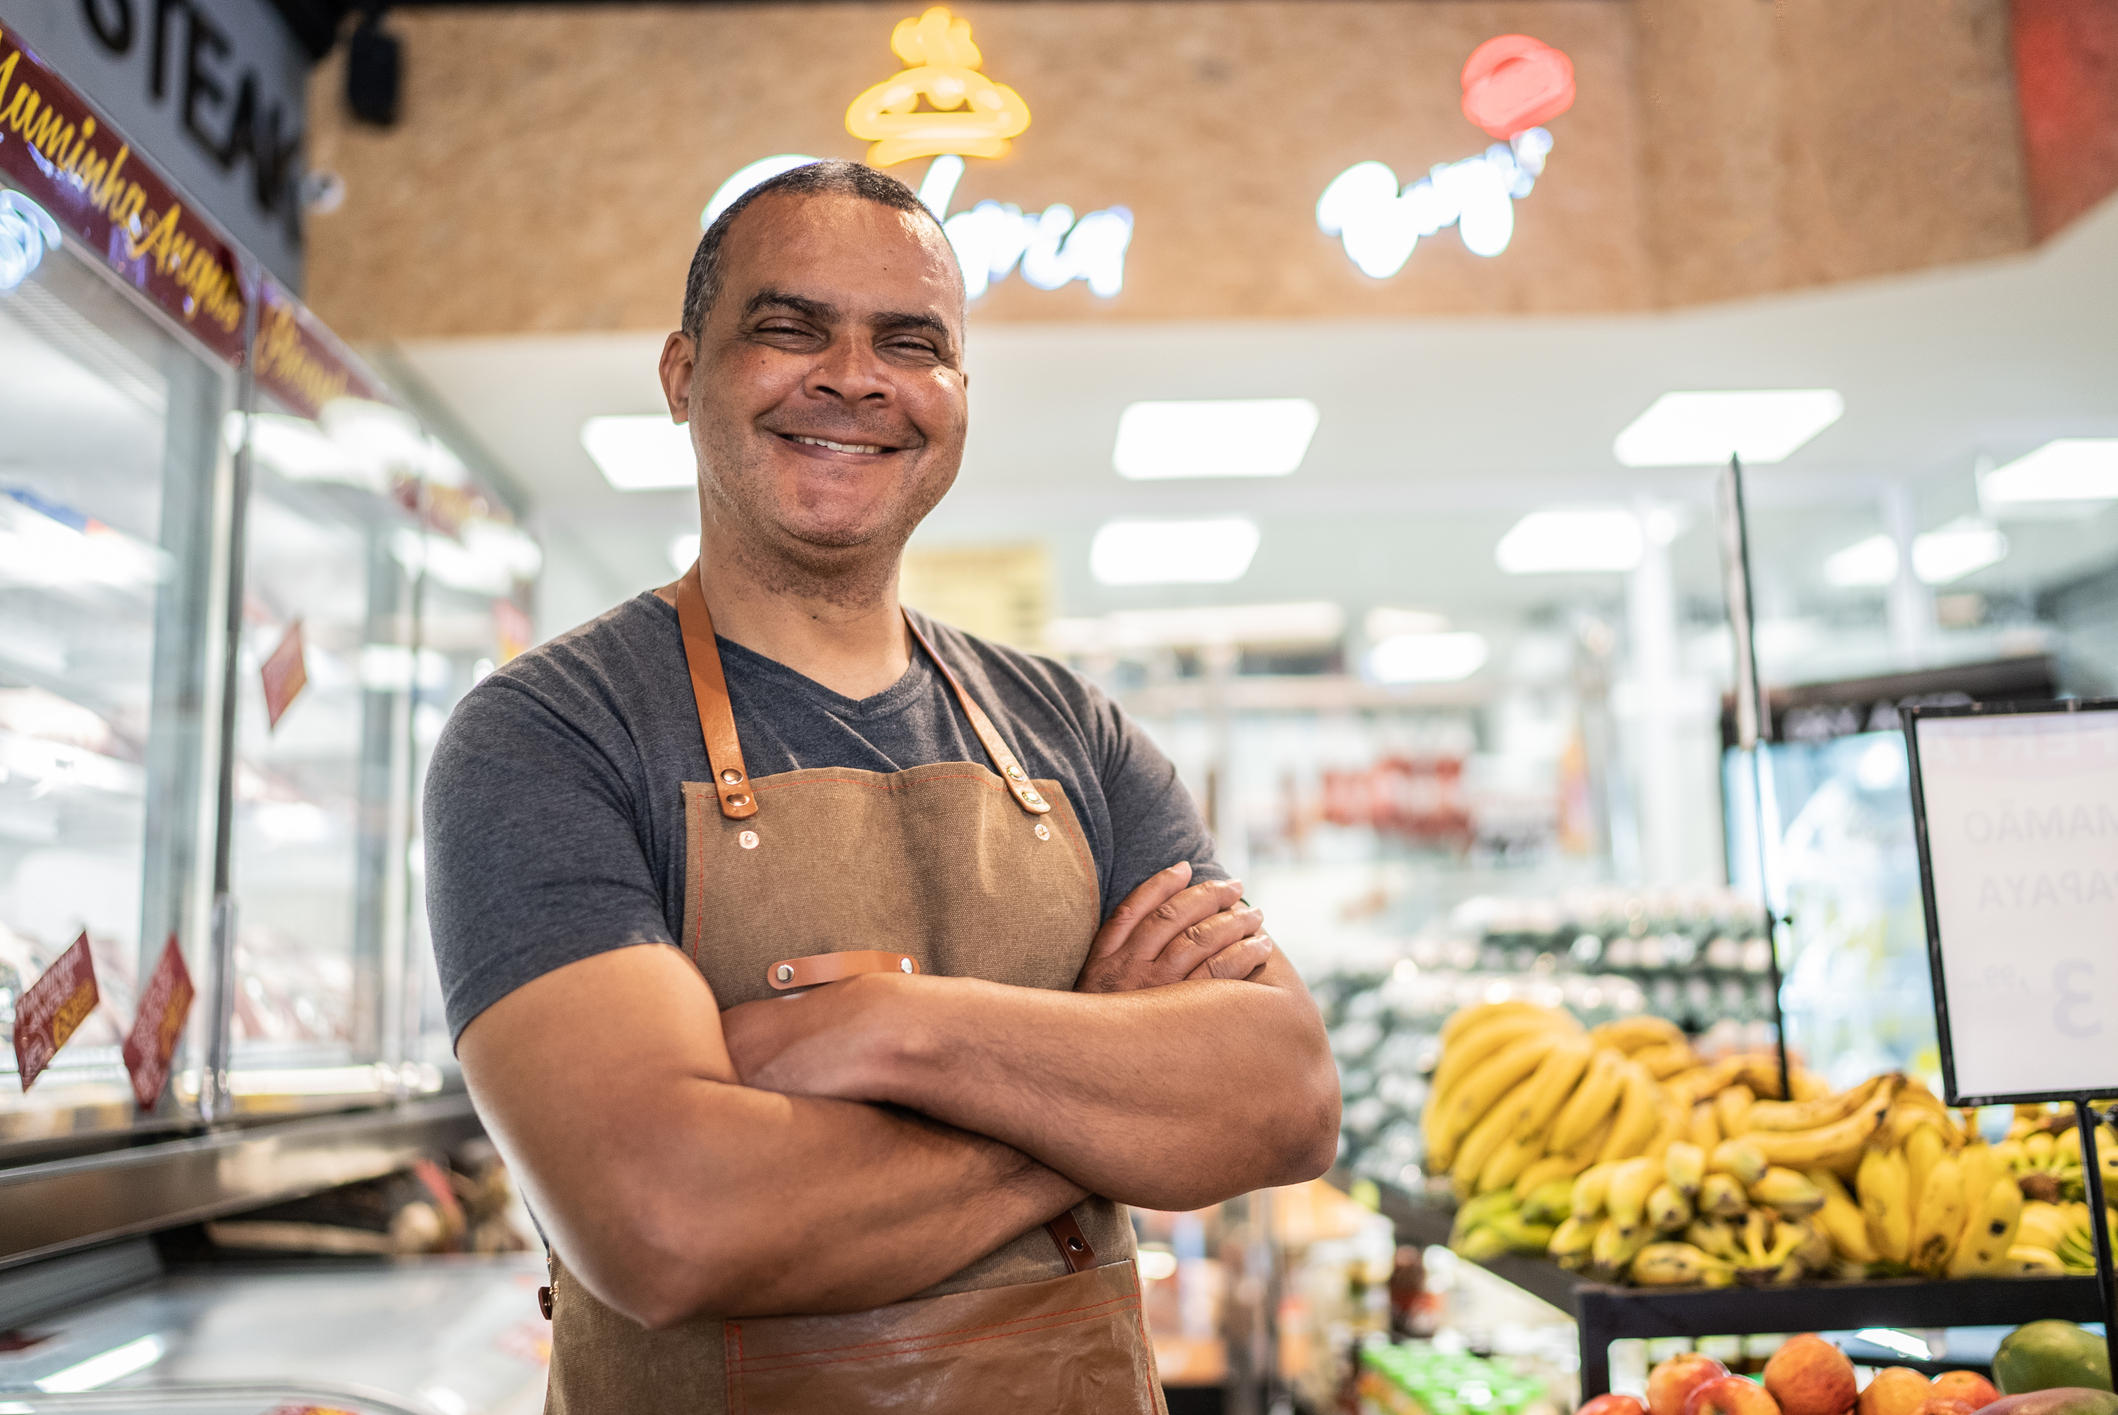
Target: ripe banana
(1835,1146)
(1551,1084)
(1462,1059)
(1705,1126)
(1938,1220)
(1722,1196)
(1637,1034)
(1544,1172)
(1637,1116)
(1463,1019)
(1679,1265)
(1481,1095)
(1714,1236)
(1704,1082)
(1508,1160)
(1668,1211)
(1477,1213)
(1884,1189)
(1631,1183)
(1684,1165)
(1481,1244)
(1571,1242)
(1591,1190)
(1790,1193)
(1549,1204)
(1591,1145)
(2026,1261)
(2042,1225)
(1592,1099)
(1732,1109)
(1923,1149)
(1808,1115)
(1989,1231)
(1486,1136)
(1841,1218)
(1613,1249)
(1739,1158)
(1666,1060)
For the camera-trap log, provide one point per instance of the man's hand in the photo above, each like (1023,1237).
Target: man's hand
(1165,933)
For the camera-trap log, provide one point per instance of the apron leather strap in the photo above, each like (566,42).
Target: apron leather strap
(724,750)
(996,747)
(791,973)
(1073,1244)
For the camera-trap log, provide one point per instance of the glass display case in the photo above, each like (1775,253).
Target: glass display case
(113,484)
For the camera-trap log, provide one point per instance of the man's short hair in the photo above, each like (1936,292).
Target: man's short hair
(832,177)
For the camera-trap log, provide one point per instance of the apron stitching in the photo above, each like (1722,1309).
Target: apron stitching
(986,1326)
(796,1360)
(1074,837)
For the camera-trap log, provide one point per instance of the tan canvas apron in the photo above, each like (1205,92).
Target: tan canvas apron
(950,868)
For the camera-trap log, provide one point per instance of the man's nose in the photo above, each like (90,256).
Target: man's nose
(849,371)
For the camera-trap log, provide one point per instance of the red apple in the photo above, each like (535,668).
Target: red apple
(1731,1395)
(1810,1376)
(1896,1390)
(1968,1386)
(1613,1405)
(1671,1383)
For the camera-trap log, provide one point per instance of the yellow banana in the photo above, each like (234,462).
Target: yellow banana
(1684,1165)
(1666,1060)
(1482,1093)
(1923,1149)
(1886,1203)
(1591,1145)
(1543,1172)
(1714,1236)
(1808,1086)
(1790,1193)
(1740,1158)
(1668,1211)
(1808,1115)
(1703,1083)
(1592,1190)
(1572,1240)
(2026,1261)
(1835,1146)
(1938,1219)
(1486,1136)
(1679,1265)
(1841,1219)
(1613,1249)
(2042,1225)
(1465,1019)
(1636,1034)
(1722,1196)
(1989,1231)
(1732,1109)
(1705,1126)
(1637,1116)
(2039,1146)
(1548,1204)
(1462,1057)
(1550,1085)
(1631,1183)
(1592,1100)
(1509,1159)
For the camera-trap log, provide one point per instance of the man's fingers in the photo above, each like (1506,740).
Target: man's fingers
(1149,895)
(1152,937)
(1237,961)
(1205,939)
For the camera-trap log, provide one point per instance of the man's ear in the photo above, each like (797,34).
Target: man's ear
(680,354)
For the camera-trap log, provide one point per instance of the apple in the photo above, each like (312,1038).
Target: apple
(1731,1395)
(1968,1386)
(1896,1390)
(1613,1405)
(1671,1383)
(1810,1376)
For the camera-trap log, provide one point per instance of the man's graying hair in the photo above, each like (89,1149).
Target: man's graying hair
(834,177)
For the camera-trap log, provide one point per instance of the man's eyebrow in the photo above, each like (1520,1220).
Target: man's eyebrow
(899,319)
(767,299)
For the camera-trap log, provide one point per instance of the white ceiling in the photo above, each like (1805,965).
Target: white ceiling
(1435,435)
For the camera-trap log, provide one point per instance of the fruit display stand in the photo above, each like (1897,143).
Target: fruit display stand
(1604,1314)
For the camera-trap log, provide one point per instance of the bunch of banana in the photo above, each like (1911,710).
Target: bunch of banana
(1933,1204)
(2046,1158)
(2056,1238)
(1622,1209)
(1495,1223)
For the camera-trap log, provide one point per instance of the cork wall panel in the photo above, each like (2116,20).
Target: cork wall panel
(550,164)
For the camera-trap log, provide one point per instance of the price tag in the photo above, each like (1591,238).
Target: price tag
(2017,818)
(52,1007)
(151,1044)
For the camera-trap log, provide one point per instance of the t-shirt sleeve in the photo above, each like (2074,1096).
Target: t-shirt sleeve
(533,855)
(1154,820)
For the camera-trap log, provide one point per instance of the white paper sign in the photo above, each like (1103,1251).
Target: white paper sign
(2022,839)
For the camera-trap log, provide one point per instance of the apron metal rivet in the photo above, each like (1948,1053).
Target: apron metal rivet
(731,776)
(904,965)
(737,798)
(1015,772)
(1044,831)
(784,973)
(1031,798)
(1076,1244)
(748,840)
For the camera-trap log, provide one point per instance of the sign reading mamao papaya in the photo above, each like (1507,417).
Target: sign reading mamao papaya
(965,114)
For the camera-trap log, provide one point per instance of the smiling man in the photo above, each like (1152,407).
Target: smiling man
(832,978)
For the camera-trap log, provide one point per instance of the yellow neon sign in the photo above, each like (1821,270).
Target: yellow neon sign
(942,66)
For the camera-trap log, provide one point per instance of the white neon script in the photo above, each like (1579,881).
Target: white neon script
(1380,224)
(26,233)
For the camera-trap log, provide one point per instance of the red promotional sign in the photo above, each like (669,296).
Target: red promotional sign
(61,155)
(52,1007)
(301,363)
(285,675)
(152,1042)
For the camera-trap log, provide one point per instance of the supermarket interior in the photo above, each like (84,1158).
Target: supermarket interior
(1559,582)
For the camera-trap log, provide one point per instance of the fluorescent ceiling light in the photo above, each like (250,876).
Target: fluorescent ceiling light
(1316,621)
(2069,469)
(1953,551)
(683,550)
(1864,563)
(1386,622)
(645,452)
(1558,542)
(1236,437)
(1427,658)
(1210,552)
(1704,429)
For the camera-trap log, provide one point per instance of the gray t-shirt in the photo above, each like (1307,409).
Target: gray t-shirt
(555,809)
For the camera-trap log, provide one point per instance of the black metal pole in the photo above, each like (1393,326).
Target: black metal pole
(2099,1220)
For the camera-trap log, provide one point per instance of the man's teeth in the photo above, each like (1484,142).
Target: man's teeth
(834,446)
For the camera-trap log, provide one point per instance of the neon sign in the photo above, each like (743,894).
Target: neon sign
(26,233)
(970,116)
(1511,85)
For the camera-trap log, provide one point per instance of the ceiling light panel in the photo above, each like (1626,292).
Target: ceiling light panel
(1564,542)
(1427,658)
(1238,437)
(1705,429)
(2069,469)
(1209,552)
(647,452)
(1863,564)
(1950,552)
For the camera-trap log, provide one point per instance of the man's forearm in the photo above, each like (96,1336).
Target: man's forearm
(1169,1097)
